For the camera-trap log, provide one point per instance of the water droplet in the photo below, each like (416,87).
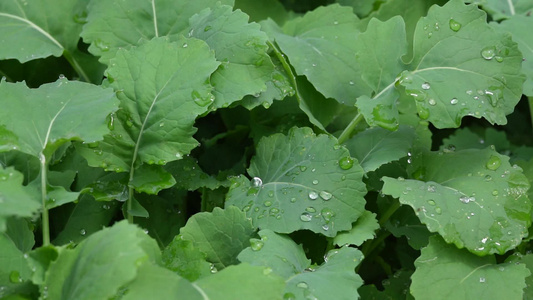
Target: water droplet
(256,244)
(289,296)
(14,277)
(313,195)
(129,122)
(325,227)
(493,163)
(488,178)
(426,86)
(438,210)
(335,23)
(310,209)
(432,102)
(327,214)
(315,182)
(325,195)
(482,279)
(495,193)
(257,182)
(270,194)
(466,199)
(101,45)
(488,52)
(111,123)
(213,269)
(498,58)
(351,82)
(83,232)
(346,163)
(267,203)
(431,188)
(454,101)
(207,28)
(293,200)
(106,207)
(454,25)
(431,202)
(306,217)
(201,101)
(303,168)
(423,112)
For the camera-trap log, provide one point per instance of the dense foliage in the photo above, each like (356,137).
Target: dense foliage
(221,149)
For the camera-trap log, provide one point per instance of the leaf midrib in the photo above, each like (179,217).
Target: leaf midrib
(34,26)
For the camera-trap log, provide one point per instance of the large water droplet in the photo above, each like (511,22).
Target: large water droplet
(315,182)
(432,102)
(306,217)
(431,202)
(493,163)
(83,232)
(310,209)
(482,279)
(256,244)
(488,52)
(346,163)
(267,203)
(426,86)
(454,25)
(423,112)
(289,296)
(325,195)
(257,182)
(313,195)
(101,45)
(454,101)
(327,214)
(14,277)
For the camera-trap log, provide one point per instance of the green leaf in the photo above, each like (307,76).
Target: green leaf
(152,179)
(189,176)
(464,138)
(220,234)
(481,79)
(19,230)
(519,27)
(362,230)
(240,46)
(396,287)
(261,10)
(301,181)
(335,277)
(404,222)
(375,147)
(14,269)
(15,199)
(158,108)
(464,190)
(113,24)
(445,272)
(107,259)
(42,28)
(241,282)
(321,46)
(187,261)
(380,68)
(506,9)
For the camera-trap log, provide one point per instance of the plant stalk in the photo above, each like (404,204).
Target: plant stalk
(44,216)
(76,66)
(530,101)
(348,130)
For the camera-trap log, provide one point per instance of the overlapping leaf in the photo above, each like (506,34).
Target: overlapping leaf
(460,67)
(445,272)
(321,46)
(287,259)
(15,199)
(301,181)
(362,230)
(472,198)
(506,9)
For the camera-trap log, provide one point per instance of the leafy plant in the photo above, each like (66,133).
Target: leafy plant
(265,149)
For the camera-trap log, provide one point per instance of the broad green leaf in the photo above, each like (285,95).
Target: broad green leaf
(404,222)
(396,287)
(360,7)
(14,269)
(187,261)
(506,9)
(242,281)
(481,79)
(464,138)
(241,47)
(115,24)
(528,261)
(107,259)
(445,272)
(380,68)
(189,176)
(19,230)
(519,27)
(472,198)
(261,10)
(321,46)
(301,181)
(43,119)
(15,199)
(40,28)
(159,105)
(220,234)
(363,229)
(336,276)
(375,147)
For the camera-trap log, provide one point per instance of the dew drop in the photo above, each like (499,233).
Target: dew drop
(293,200)
(14,277)
(493,163)
(432,102)
(306,217)
(438,210)
(325,195)
(431,202)
(327,214)
(257,182)
(482,279)
(267,203)
(498,58)
(315,182)
(289,296)
(488,52)
(310,209)
(303,168)
(454,101)
(454,25)
(313,195)
(346,163)
(83,232)
(256,244)
(495,193)
(426,86)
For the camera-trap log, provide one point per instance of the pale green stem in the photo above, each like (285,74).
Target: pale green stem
(76,66)
(44,217)
(530,101)
(348,130)
(287,69)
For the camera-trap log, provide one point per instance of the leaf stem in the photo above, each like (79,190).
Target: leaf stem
(287,69)
(76,66)
(389,212)
(530,101)
(44,217)
(348,130)
(129,204)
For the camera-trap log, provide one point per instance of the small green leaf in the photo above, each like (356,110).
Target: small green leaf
(464,190)
(506,9)
(363,229)
(187,261)
(445,272)
(15,199)
(301,181)
(151,179)
(220,234)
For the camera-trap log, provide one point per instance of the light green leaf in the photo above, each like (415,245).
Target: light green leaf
(375,147)
(152,179)
(252,282)
(506,9)
(189,176)
(114,24)
(445,272)
(301,181)
(336,276)
(360,7)
(240,46)
(15,199)
(19,230)
(460,67)
(472,198)
(380,68)
(363,229)
(220,234)
(187,261)
(37,29)
(519,26)
(14,269)
(528,261)
(158,107)
(261,10)
(321,46)
(107,259)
